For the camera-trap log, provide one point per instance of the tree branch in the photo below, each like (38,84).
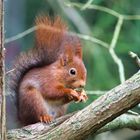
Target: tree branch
(103,9)
(135,56)
(31,131)
(123,121)
(90,119)
(114,40)
(2,73)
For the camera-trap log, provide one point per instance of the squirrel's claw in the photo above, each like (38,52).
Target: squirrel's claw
(45,118)
(74,95)
(82,97)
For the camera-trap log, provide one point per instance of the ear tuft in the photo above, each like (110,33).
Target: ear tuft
(78,51)
(67,57)
(69,53)
(63,61)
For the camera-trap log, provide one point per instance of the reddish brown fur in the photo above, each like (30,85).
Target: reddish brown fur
(49,32)
(42,79)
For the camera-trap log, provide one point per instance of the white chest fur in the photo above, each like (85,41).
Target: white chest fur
(55,108)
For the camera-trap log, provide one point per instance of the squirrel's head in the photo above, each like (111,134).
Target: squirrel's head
(73,68)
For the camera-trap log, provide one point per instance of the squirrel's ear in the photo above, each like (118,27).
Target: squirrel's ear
(63,61)
(67,57)
(78,51)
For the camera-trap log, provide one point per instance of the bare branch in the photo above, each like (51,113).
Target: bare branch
(20,35)
(134,55)
(116,59)
(10,71)
(93,117)
(96,92)
(32,29)
(2,73)
(103,9)
(87,4)
(131,17)
(123,121)
(95,7)
(116,33)
(93,39)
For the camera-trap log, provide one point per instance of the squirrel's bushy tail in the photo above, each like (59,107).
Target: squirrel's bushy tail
(51,37)
(48,38)
(49,32)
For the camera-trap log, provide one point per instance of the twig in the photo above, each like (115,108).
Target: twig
(132,112)
(95,7)
(28,31)
(20,35)
(93,39)
(87,4)
(10,71)
(131,17)
(32,29)
(116,59)
(104,9)
(96,93)
(123,121)
(134,55)
(116,33)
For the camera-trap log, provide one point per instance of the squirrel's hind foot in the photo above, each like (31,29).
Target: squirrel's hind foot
(46,118)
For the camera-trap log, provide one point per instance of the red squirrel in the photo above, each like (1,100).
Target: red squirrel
(49,76)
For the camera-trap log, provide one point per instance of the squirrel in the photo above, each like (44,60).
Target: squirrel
(50,75)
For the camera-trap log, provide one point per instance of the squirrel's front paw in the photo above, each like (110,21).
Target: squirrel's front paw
(74,95)
(82,96)
(45,118)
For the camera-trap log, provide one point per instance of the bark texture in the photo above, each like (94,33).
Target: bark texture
(89,120)
(2,89)
(2,67)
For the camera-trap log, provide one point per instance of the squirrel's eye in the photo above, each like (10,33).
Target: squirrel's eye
(72,71)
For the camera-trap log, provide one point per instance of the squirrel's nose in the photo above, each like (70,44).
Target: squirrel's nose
(82,84)
(79,84)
